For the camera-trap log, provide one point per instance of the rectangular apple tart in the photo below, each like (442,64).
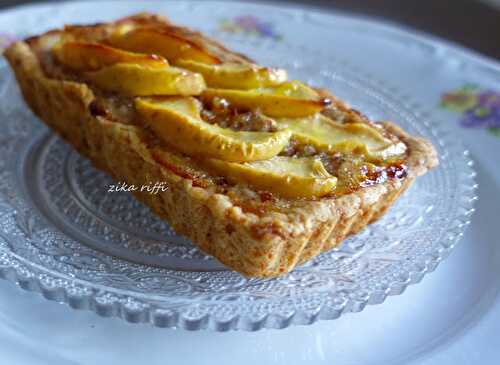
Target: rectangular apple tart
(263,172)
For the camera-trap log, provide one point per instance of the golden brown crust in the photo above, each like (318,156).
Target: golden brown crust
(262,243)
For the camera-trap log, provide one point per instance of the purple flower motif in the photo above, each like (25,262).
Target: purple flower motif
(486,113)
(247,23)
(481,117)
(251,25)
(489,98)
(479,108)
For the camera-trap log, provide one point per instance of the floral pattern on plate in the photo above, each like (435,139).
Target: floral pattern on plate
(250,25)
(478,107)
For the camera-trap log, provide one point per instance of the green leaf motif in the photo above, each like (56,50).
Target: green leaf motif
(494,131)
(460,101)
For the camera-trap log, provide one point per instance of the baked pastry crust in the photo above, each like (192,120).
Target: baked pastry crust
(252,235)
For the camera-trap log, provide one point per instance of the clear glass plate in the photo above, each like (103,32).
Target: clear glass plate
(64,235)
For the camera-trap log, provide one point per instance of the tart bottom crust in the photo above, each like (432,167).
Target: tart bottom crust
(256,245)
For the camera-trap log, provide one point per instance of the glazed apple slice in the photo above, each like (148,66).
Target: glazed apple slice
(289,99)
(141,80)
(327,135)
(235,75)
(289,177)
(83,56)
(161,41)
(177,121)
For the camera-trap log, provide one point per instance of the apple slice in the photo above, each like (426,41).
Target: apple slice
(327,135)
(235,75)
(139,80)
(290,99)
(161,41)
(177,120)
(289,177)
(83,56)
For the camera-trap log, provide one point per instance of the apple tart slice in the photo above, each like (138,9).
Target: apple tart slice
(262,172)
